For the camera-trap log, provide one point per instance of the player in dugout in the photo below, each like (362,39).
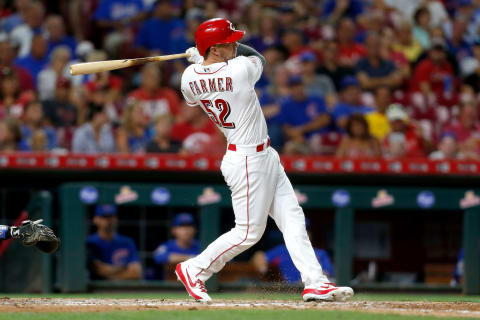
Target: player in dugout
(183,246)
(110,255)
(279,257)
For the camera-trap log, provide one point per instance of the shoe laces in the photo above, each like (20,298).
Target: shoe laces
(201,286)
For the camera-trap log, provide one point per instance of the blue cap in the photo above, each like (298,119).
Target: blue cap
(105,210)
(294,80)
(308,56)
(348,81)
(183,219)
(450,134)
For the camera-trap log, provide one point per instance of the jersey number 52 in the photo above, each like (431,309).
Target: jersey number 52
(223,107)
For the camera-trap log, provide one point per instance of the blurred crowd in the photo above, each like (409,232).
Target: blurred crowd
(345,78)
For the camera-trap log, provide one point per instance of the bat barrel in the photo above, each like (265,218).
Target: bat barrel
(98,66)
(107,65)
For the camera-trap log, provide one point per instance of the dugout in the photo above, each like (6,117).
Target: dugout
(345,204)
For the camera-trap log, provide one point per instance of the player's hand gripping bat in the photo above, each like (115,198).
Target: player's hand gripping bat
(100,66)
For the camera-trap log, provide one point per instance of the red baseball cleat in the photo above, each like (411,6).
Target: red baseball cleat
(196,288)
(327,292)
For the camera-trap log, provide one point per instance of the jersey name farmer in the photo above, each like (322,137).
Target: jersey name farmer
(225,91)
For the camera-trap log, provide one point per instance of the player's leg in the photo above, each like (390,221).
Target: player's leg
(290,219)
(250,180)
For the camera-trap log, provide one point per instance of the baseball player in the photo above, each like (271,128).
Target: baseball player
(32,233)
(221,81)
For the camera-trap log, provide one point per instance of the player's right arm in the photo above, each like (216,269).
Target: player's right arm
(163,255)
(186,92)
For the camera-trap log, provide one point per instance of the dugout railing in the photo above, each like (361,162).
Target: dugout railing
(211,199)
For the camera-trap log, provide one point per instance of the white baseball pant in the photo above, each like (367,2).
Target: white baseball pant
(259,188)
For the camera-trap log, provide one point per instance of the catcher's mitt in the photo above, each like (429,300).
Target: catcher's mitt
(32,233)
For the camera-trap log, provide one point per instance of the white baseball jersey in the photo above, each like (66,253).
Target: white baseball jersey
(256,178)
(225,91)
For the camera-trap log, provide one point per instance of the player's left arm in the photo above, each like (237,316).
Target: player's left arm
(178,257)
(133,271)
(321,120)
(318,123)
(247,51)
(252,61)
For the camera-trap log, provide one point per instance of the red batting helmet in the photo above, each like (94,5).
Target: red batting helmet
(215,31)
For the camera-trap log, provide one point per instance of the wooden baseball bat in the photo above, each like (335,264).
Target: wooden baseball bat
(107,65)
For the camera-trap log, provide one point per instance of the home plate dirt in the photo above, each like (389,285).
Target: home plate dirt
(457,309)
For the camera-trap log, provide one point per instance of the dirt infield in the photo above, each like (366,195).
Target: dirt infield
(458,309)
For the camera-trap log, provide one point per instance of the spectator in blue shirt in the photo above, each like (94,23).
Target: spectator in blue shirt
(268,33)
(95,136)
(15,19)
(33,130)
(110,255)
(279,257)
(57,36)
(336,9)
(181,41)
(271,111)
(118,13)
(349,103)
(37,59)
(373,71)
(23,34)
(183,246)
(316,84)
(302,116)
(158,33)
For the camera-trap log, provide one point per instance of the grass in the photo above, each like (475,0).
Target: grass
(215,314)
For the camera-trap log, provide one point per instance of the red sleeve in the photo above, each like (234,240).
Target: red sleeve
(361,50)
(26,97)
(136,94)
(90,86)
(115,82)
(25,79)
(173,101)
(420,74)
(180,131)
(414,144)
